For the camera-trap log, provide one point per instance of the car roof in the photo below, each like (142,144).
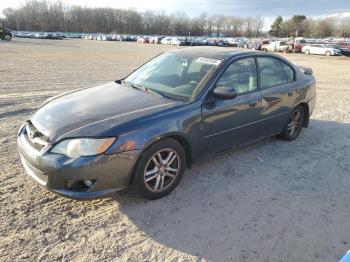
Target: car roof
(212,52)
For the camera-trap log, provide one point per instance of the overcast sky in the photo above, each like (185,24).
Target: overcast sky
(267,9)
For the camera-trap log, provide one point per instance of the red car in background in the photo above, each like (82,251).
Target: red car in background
(298,45)
(344,44)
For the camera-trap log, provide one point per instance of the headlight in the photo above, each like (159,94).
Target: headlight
(77,147)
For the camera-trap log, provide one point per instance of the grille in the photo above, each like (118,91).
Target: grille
(34,137)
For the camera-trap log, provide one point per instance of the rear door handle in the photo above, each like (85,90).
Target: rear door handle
(290,93)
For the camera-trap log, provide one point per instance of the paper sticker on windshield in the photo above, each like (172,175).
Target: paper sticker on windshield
(209,61)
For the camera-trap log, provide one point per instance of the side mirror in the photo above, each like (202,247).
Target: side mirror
(226,93)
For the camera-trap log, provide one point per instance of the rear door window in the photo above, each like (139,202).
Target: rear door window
(271,72)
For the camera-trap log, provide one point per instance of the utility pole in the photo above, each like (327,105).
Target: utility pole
(295,39)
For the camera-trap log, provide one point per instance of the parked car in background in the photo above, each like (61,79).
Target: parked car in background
(231,42)
(297,45)
(73,35)
(6,34)
(39,35)
(142,40)
(252,44)
(276,46)
(344,44)
(211,41)
(155,39)
(321,49)
(129,38)
(90,37)
(166,41)
(115,38)
(344,47)
(58,36)
(260,44)
(145,129)
(176,41)
(183,41)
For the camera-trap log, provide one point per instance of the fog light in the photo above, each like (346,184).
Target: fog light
(88,183)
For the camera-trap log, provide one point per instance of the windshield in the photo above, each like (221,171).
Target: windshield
(174,75)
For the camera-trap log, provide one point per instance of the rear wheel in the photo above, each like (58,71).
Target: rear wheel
(307,51)
(7,37)
(328,53)
(293,128)
(160,169)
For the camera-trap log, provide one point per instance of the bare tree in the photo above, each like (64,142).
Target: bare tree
(44,15)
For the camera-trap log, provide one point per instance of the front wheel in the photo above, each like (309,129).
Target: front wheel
(293,128)
(328,53)
(7,37)
(160,169)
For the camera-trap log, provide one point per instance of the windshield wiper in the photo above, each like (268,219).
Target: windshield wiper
(139,87)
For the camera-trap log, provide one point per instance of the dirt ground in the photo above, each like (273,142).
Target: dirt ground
(271,201)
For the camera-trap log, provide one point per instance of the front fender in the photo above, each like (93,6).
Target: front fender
(141,139)
(185,125)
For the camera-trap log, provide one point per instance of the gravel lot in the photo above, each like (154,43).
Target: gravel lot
(271,201)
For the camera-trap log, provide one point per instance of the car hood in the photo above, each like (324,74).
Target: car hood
(90,111)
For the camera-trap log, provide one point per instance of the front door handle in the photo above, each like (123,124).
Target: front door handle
(290,93)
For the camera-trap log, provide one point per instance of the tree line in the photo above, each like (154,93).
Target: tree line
(51,16)
(55,16)
(300,25)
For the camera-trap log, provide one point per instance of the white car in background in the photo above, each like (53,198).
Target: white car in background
(166,41)
(175,41)
(321,49)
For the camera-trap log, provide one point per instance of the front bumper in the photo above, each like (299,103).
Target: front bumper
(65,176)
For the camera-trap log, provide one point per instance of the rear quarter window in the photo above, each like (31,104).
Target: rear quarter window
(288,71)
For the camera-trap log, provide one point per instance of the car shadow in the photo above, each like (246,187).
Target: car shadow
(270,201)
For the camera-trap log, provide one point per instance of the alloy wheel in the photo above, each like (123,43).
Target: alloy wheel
(295,122)
(161,170)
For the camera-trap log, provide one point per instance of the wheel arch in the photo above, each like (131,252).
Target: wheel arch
(179,138)
(186,146)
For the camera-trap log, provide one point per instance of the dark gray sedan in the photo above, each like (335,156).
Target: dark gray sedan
(145,129)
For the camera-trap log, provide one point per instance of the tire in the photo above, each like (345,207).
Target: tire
(328,53)
(153,179)
(7,37)
(307,51)
(294,125)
